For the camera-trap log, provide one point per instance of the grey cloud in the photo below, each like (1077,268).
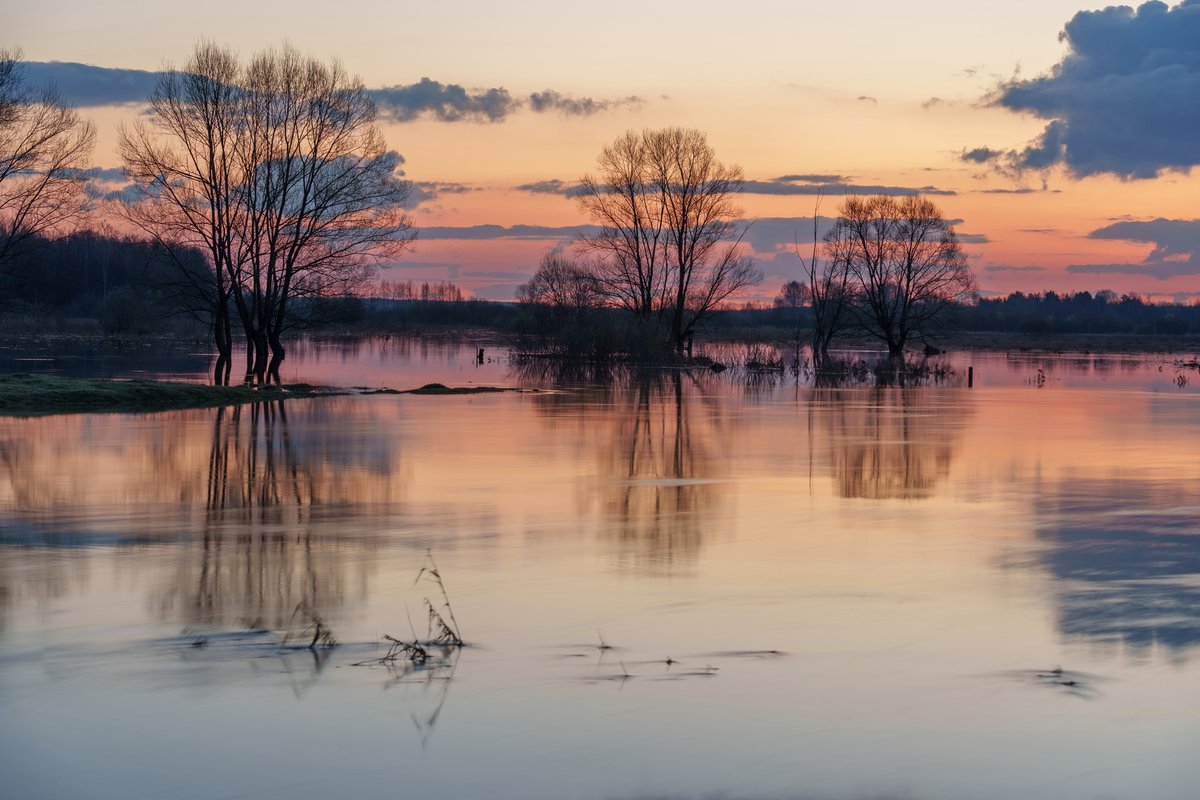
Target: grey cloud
(864,98)
(768,234)
(130,192)
(1176,250)
(973,238)
(427,191)
(1021,190)
(451,268)
(447,102)
(980,155)
(764,235)
(813,178)
(787,185)
(454,103)
(553,186)
(1123,99)
(85,85)
(498,275)
(550,100)
(781,187)
(106,174)
(489,232)
(88,85)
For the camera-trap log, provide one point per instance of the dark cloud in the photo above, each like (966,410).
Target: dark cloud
(550,100)
(980,155)
(109,183)
(784,185)
(993,268)
(774,234)
(105,174)
(454,103)
(1176,250)
(126,193)
(447,102)
(973,238)
(553,186)
(1123,100)
(85,85)
(865,98)
(427,191)
(802,185)
(88,85)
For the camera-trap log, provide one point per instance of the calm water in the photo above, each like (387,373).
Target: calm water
(800,593)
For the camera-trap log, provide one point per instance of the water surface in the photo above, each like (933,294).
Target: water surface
(671,585)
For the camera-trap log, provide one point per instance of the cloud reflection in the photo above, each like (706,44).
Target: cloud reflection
(1125,558)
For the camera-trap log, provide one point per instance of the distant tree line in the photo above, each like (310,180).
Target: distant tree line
(125,282)
(1081,312)
(1034,314)
(438,291)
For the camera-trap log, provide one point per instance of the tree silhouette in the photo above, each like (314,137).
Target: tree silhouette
(276,169)
(904,264)
(44,148)
(668,240)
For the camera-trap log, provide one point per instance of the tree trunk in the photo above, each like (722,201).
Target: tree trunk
(278,353)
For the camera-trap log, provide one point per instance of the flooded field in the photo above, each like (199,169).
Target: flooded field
(669,585)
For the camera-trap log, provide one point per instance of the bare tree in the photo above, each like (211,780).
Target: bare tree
(185,158)
(630,270)
(829,289)
(904,264)
(561,283)
(278,170)
(44,148)
(792,294)
(668,240)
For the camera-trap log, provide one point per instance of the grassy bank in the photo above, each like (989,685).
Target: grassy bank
(23,395)
(32,395)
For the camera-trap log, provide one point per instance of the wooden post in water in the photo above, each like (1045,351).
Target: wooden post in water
(970,377)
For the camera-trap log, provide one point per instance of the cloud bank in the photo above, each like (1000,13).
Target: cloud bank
(86,85)
(785,185)
(551,101)
(442,101)
(1176,250)
(1123,101)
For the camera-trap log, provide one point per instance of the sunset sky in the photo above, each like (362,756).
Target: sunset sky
(1062,136)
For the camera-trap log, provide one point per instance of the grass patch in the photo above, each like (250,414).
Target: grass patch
(38,395)
(437,388)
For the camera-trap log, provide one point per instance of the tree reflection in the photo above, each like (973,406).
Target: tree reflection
(888,442)
(266,506)
(262,550)
(657,441)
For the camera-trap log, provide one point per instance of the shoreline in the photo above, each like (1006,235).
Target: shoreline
(33,395)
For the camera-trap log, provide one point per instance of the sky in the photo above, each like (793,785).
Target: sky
(1060,136)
